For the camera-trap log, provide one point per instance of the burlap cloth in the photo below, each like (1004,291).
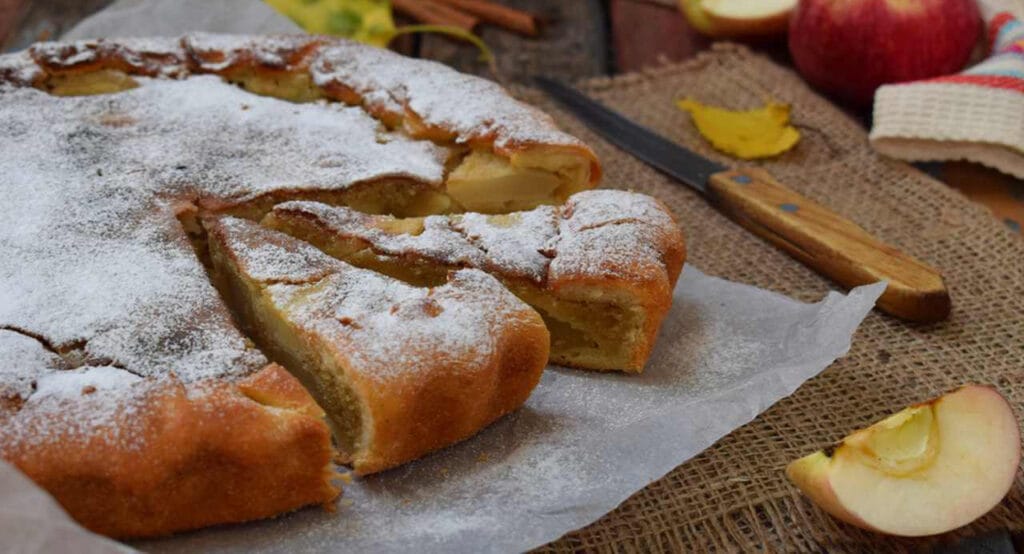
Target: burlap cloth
(735,496)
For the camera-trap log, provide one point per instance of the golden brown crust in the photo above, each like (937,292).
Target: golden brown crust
(278,64)
(283,53)
(182,457)
(454,399)
(205,451)
(446,407)
(417,397)
(145,57)
(650,279)
(602,245)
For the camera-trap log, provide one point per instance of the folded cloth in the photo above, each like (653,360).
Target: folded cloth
(976,115)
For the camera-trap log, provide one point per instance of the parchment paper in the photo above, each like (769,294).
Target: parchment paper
(582,443)
(31,521)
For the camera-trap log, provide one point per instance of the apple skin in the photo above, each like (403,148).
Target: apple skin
(813,474)
(848,48)
(810,474)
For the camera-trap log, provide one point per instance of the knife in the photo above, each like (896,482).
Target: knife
(820,238)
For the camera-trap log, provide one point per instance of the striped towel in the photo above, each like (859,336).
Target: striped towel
(976,115)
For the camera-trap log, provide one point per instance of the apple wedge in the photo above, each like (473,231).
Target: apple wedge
(695,15)
(928,469)
(738,18)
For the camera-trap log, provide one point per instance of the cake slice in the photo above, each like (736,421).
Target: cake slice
(400,370)
(600,269)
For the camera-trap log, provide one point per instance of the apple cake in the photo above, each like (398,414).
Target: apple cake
(401,370)
(126,388)
(600,269)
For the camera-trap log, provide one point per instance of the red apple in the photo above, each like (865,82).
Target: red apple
(848,48)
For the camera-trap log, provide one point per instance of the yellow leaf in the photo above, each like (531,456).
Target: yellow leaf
(367,21)
(749,134)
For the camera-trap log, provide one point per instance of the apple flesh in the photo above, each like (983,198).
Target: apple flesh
(748,17)
(848,48)
(695,15)
(926,470)
(738,18)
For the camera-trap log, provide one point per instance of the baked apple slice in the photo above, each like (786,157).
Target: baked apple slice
(928,469)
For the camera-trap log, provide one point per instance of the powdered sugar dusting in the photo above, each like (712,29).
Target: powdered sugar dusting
(77,382)
(390,330)
(513,244)
(470,107)
(105,299)
(18,69)
(23,359)
(165,47)
(91,185)
(601,233)
(465,107)
(594,208)
(144,56)
(66,54)
(385,328)
(272,262)
(439,240)
(82,408)
(612,234)
(216,52)
(152,56)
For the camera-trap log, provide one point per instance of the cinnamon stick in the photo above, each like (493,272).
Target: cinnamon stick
(502,16)
(435,13)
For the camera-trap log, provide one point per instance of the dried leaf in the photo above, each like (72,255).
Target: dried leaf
(749,134)
(367,21)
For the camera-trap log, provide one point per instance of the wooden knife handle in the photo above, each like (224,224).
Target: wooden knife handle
(829,243)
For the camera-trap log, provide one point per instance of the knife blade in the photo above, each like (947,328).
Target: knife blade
(810,232)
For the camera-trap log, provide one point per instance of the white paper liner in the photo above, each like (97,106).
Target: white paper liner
(581,445)
(584,441)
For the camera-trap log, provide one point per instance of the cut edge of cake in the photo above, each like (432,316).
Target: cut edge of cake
(130,457)
(400,370)
(600,269)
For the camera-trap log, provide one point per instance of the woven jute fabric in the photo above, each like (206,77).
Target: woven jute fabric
(734,496)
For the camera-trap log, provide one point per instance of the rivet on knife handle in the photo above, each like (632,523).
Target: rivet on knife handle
(829,243)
